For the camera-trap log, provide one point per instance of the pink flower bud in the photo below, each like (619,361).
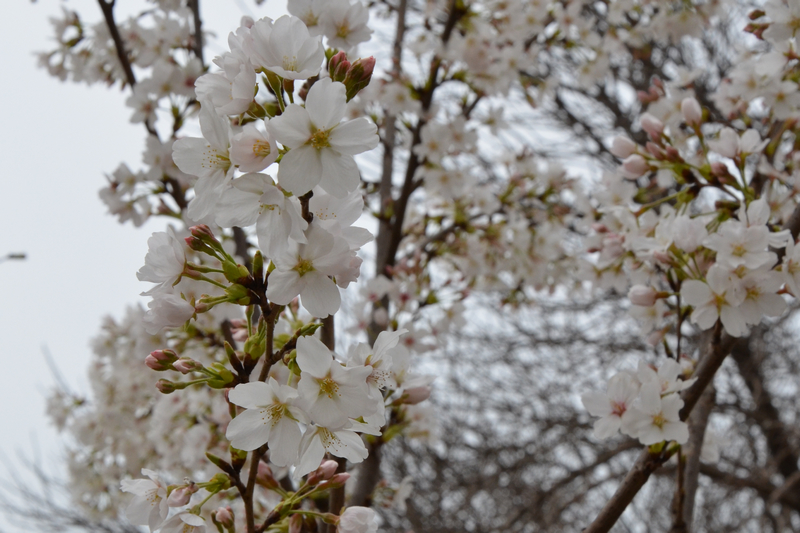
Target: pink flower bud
(165,386)
(181,496)
(359,76)
(338,67)
(720,170)
(201,230)
(416,395)
(224,516)
(651,125)
(339,479)
(622,147)
(265,477)
(155,364)
(692,112)
(655,150)
(634,166)
(184,365)
(165,356)
(642,295)
(328,468)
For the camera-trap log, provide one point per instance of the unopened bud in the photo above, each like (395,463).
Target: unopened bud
(642,295)
(196,244)
(161,360)
(359,76)
(720,170)
(202,231)
(415,395)
(224,515)
(338,67)
(264,476)
(181,496)
(622,147)
(165,386)
(634,166)
(691,111)
(339,479)
(184,365)
(651,125)
(328,468)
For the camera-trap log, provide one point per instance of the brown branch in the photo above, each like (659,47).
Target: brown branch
(122,54)
(108,14)
(197,47)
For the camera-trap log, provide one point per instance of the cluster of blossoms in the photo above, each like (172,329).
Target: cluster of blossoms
(644,404)
(305,404)
(698,221)
(690,220)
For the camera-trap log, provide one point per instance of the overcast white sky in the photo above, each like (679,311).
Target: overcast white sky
(59,139)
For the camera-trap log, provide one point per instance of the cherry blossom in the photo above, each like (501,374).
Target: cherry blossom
(614,406)
(164,263)
(330,392)
(320,140)
(358,520)
(149,507)
(655,418)
(286,48)
(270,416)
(303,269)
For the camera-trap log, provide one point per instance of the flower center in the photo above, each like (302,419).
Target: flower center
(261,149)
(343,31)
(328,387)
(303,267)
(618,408)
(290,63)
(659,420)
(319,139)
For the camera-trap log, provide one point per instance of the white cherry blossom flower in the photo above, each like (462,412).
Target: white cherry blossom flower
(254,199)
(149,506)
(358,520)
(655,418)
(761,299)
(286,48)
(166,310)
(320,140)
(329,392)
(345,24)
(666,376)
(206,158)
(718,298)
(231,91)
(614,406)
(737,244)
(309,11)
(253,150)
(184,522)
(270,416)
(790,268)
(164,262)
(318,440)
(337,216)
(303,269)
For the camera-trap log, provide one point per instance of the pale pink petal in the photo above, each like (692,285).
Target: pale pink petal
(354,136)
